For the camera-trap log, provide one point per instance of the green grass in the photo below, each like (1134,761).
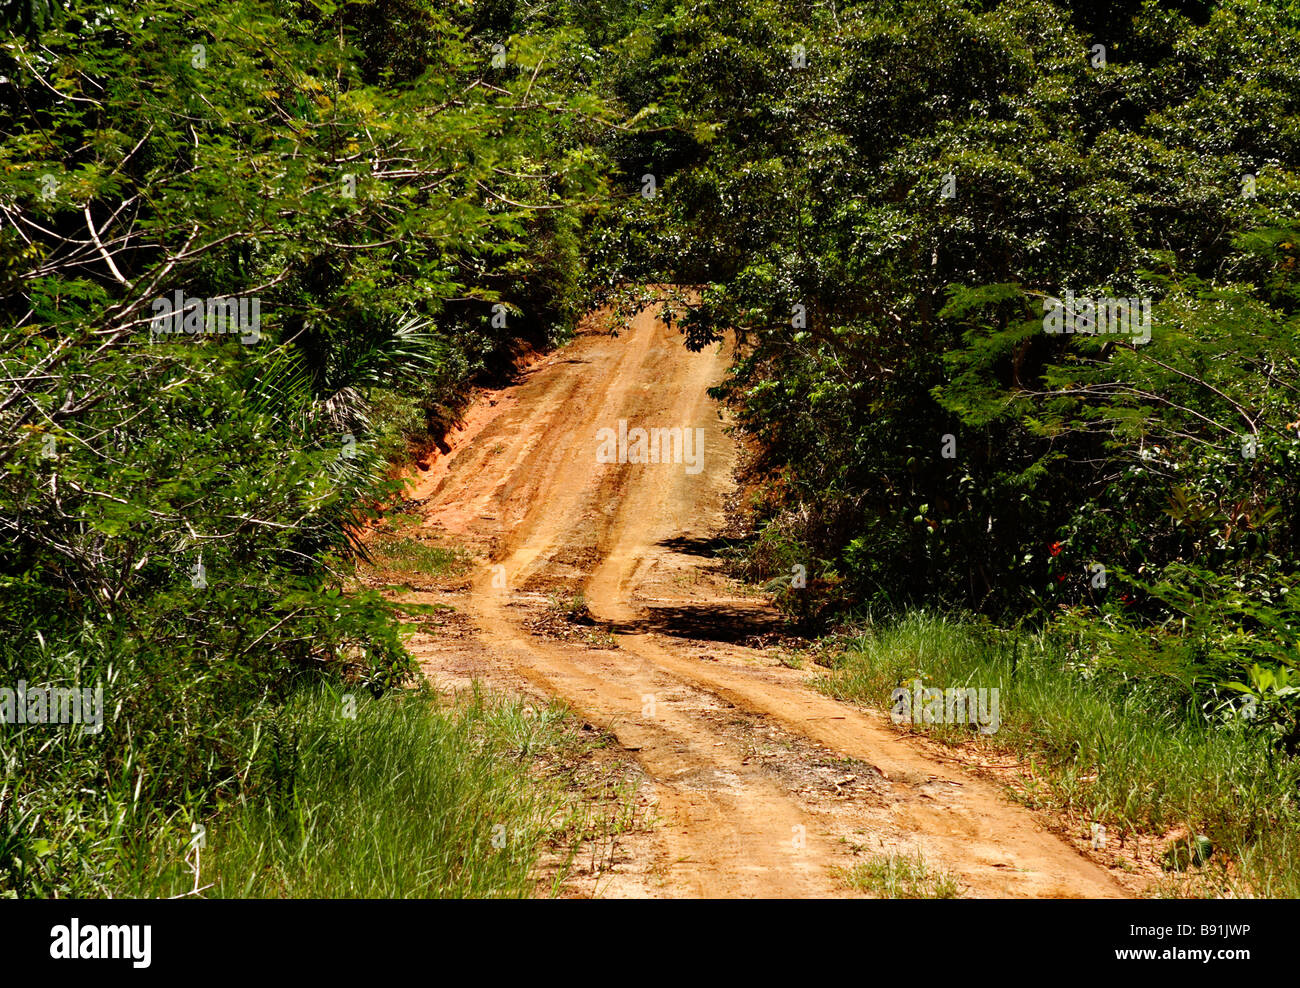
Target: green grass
(419,556)
(401,519)
(897,876)
(1124,750)
(408,799)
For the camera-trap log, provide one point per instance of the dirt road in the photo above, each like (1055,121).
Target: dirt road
(764,786)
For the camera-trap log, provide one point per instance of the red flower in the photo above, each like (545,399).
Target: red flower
(1056,548)
(1061,578)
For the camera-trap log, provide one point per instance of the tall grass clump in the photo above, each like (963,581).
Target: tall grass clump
(1126,747)
(396,797)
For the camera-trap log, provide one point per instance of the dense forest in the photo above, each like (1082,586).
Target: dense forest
(1013,288)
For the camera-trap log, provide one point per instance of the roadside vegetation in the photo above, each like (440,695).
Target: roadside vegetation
(415,556)
(407,796)
(1100,742)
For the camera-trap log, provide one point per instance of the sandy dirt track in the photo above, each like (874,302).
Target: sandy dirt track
(764,786)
